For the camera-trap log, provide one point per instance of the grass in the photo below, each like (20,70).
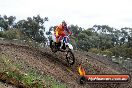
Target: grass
(31,77)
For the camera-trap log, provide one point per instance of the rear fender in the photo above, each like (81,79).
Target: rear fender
(53,36)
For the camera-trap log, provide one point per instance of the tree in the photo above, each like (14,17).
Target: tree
(75,30)
(7,22)
(33,27)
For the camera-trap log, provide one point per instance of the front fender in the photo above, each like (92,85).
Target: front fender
(70,46)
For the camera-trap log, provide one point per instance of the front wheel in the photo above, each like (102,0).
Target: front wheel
(70,57)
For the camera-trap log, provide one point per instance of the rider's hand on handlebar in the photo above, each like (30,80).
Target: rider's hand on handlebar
(70,33)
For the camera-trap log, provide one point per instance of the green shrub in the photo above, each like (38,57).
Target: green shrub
(11,34)
(1,33)
(94,50)
(128,52)
(116,51)
(121,51)
(107,52)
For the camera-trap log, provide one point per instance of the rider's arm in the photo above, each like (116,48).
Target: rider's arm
(67,29)
(56,31)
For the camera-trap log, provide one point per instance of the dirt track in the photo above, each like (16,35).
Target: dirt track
(55,64)
(3,85)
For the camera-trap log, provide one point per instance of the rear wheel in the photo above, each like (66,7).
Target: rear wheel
(52,46)
(51,43)
(70,57)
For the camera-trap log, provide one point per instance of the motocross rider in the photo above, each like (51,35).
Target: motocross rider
(61,31)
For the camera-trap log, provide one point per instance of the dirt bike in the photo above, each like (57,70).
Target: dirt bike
(63,46)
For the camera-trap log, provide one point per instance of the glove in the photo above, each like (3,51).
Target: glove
(70,33)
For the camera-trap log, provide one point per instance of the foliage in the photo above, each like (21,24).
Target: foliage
(109,40)
(11,34)
(33,28)
(6,22)
(30,28)
(95,50)
(1,34)
(107,53)
(122,51)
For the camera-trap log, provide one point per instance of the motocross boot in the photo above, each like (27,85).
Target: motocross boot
(57,45)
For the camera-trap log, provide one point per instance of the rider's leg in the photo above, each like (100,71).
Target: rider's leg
(62,35)
(57,39)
